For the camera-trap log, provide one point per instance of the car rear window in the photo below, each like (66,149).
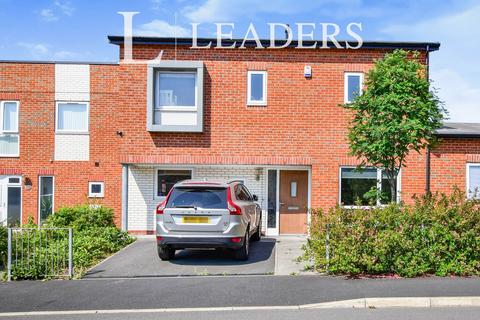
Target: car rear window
(208,198)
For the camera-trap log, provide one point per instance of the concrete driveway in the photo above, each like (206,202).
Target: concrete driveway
(141,260)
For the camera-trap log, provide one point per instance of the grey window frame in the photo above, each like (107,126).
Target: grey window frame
(174,66)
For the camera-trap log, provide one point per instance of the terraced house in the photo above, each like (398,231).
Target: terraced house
(121,134)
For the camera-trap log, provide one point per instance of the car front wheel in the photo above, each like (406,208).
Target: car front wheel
(166,253)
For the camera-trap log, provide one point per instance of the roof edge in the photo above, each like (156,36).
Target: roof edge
(59,62)
(458,135)
(426,46)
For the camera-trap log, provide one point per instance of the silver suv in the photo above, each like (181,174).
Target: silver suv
(208,214)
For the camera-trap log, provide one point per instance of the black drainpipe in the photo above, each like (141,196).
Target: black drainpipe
(427,157)
(427,171)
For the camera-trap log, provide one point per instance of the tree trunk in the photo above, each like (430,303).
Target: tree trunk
(392,183)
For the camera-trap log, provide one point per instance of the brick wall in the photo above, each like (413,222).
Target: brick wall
(303,124)
(33,85)
(303,119)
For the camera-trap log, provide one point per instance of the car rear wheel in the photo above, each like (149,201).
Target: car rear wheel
(243,252)
(258,234)
(166,253)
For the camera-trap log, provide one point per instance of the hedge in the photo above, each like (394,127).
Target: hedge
(436,235)
(95,237)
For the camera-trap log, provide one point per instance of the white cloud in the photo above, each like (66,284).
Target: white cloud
(462,98)
(220,10)
(59,7)
(160,28)
(48,15)
(66,55)
(65,7)
(35,50)
(42,51)
(454,67)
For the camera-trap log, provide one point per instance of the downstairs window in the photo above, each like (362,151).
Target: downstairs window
(364,187)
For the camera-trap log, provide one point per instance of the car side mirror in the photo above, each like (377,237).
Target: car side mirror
(255,198)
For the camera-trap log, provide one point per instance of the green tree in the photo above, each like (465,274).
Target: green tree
(396,113)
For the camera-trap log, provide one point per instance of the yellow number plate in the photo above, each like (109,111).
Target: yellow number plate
(196,220)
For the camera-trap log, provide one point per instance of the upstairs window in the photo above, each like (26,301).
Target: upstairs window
(353,86)
(257,88)
(72,117)
(356,187)
(9,137)
(175,96)
(176,91)
(473,181)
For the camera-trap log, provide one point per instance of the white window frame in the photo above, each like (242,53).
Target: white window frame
(100,194)
(155,178)
(72,131)
(39,194)
(469,196)
(249,88)
(2,110)
(379,185)
(345,84)
(10,133)
(5,182)
(156,107)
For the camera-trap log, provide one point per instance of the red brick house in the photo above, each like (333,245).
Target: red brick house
(120,134)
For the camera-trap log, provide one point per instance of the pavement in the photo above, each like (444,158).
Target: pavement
(330,314)
(218,291)
(288,250)
(140,259)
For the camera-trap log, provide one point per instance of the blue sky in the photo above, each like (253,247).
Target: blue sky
(77,30)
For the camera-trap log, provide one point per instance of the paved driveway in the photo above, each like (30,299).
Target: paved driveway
(140,260)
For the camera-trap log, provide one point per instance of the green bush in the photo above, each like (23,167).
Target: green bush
(95,237)
(438,234)
(82,217)
(3,247)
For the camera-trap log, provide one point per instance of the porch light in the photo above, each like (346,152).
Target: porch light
(258,172)
(27,182)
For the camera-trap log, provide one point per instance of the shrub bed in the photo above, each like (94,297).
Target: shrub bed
(95,237)
(438,234)
(3,247)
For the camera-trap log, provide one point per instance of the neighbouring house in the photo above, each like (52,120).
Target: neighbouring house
(121,134)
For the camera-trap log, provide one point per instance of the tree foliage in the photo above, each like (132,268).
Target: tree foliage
(396,114)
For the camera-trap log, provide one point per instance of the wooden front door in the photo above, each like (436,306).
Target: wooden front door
(293,201)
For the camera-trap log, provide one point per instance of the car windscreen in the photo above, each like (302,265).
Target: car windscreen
(208,198)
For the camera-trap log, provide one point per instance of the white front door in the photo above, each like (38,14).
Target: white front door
(3,200)
(10,200)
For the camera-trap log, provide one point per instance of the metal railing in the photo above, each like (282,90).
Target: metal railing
(36,253)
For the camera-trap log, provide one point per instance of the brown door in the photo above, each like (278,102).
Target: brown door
(293,201)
